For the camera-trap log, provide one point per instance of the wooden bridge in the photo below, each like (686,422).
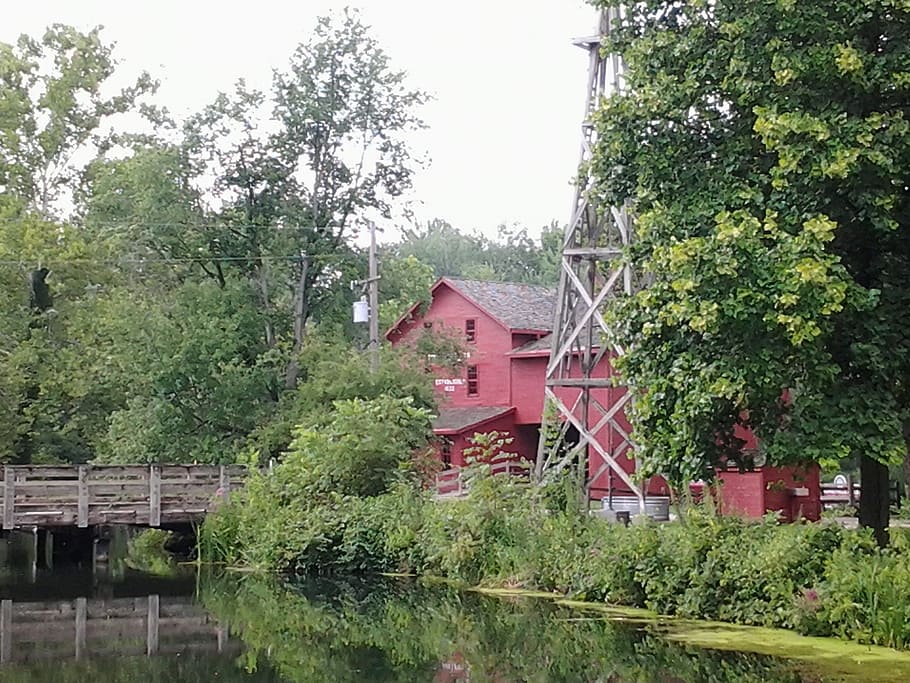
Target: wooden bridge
(92,627)
(88,495)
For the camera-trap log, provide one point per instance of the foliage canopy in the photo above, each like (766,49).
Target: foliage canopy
(765,147)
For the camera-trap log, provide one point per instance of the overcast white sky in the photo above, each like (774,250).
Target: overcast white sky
(503,134)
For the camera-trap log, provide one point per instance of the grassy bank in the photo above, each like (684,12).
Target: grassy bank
(815,579)
(346,501)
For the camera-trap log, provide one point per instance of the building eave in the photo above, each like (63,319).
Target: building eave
(408,315)
(529,354)
(506,410)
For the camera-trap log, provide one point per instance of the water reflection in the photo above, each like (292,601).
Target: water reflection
(102,627)
(399,632)
(75,626)
(87,616)
(126,627)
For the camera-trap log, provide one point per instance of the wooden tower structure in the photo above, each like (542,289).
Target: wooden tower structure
(593,272)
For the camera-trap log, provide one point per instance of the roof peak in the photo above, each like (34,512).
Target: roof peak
(452,278)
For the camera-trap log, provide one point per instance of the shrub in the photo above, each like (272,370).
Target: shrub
(317,511)
(483,535)
(865,597)
(346,501)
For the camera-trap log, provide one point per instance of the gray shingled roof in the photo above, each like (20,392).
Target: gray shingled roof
(517,306)
(458,419)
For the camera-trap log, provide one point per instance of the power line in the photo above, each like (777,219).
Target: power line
(173,260)
(178,224)
(134,224)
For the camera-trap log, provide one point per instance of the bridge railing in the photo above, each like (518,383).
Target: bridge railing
(451,483)
(848,493)
(88,495)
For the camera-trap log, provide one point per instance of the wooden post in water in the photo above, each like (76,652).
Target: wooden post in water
(81,619)
(222,634)
(152,642)
(33,554)
(45,547)
(48,548)
(6,631)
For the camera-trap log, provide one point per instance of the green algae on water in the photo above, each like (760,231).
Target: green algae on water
(833,659)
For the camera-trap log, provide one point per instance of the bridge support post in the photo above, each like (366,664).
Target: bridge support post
(45,542)
(33,553)
(224,483)
(222,634)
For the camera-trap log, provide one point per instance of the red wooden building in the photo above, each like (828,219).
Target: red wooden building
(505,328)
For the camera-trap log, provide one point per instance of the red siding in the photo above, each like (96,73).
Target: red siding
(462,441)
(527,377)
(518,381)
(448,313)
(772,489)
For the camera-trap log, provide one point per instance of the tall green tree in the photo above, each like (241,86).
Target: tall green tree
(54,111)
(272,187)
(765,147)
(170,324)
(511,256)
(51,406)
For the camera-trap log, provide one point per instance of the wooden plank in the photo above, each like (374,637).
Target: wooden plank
(50,521)
(225,484)
(139,518)
(84,495)
(137,490)
(45,471)
(137,470)
(199,485)
(30,485)
(29,515)
(9,498)
(82,514)
(155,495)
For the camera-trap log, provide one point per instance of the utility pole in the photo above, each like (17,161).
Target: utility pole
(373,284)
(593,272)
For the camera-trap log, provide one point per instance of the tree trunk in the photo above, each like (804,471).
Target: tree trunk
(904,495)
(262,285)
(300,311)
(874,508)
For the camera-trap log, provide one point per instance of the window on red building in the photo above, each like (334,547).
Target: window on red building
(446,452)
(470,331)
(472,380)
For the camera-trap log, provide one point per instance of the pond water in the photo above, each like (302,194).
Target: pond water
(121,626)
